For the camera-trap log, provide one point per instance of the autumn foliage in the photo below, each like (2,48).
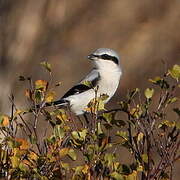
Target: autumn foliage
(145,123)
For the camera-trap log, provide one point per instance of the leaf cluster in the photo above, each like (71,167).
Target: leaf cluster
(147,132)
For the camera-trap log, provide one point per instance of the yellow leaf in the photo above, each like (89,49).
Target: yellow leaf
(96,104)
(149,93)
(132,176)
(140,136)
(46,65)
(15,161)
(33,156)
(18,152)
(65,165)
(155,80)
(72,154)
(140,168)
(61,115)
(85,169)
(136,112)
(175,72)
(18,112)
(63,152)
(41,84)
(116,176)
(50,96)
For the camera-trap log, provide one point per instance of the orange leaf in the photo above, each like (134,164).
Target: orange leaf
(24,143)
(5,121)
(41,84)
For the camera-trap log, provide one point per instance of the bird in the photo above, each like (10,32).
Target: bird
(105,76)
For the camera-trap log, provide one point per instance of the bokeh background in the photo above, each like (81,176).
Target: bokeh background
(146,34)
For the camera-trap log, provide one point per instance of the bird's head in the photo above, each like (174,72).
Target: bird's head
(105,58)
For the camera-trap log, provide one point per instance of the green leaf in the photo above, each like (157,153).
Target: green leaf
(75,135)
(100,105)
(59,131)
(104,97)
(15,161)
(83,133)
(109,158)
(116,176)
(99,130)
(178,125)
(156,80)
(175,72)
(144,158)
(87,83)
(78,169)
(108,116)
(64,165)
(172,100)
(46,65)
(122,134)
(166,124)
(22,167)
(136,112)
(149,93)
(79,135)
(96,104)
(160,82)
(72,154)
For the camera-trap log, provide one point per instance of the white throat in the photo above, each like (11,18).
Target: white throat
(105,65)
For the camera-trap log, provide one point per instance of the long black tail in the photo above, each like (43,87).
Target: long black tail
(58,103)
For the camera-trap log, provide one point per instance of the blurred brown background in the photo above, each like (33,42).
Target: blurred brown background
(64,32)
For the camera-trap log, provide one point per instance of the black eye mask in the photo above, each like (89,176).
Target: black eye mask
(108,57)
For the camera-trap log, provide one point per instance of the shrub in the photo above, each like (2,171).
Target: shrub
(149,130)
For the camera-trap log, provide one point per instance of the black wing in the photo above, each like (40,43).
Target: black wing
(93,78)
(76,90)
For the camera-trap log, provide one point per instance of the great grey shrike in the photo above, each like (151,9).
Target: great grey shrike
(104,76)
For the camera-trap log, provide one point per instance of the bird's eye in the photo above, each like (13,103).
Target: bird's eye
(106,56)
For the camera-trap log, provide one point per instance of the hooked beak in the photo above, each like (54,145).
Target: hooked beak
(91,57)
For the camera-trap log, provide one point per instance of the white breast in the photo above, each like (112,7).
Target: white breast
(108,84)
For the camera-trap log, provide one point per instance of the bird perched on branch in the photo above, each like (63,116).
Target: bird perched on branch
(104,77)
